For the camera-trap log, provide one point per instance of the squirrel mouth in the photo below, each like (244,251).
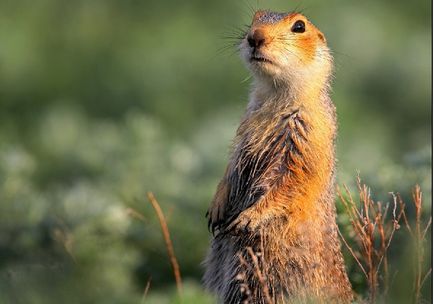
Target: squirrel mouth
(259,58)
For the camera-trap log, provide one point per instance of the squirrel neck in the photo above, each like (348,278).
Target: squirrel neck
(288,94)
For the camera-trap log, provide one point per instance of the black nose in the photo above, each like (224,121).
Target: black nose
(257,39)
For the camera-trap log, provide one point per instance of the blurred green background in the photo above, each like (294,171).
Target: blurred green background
(102,101)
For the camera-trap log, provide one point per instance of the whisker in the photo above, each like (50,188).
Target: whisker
(247,79)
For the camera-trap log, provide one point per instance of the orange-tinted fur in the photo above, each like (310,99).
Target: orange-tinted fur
(292,219)
(321,139)
(306,43)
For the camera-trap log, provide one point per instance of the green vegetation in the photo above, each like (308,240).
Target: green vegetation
(102,101)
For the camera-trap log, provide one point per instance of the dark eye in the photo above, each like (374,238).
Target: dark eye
(298,27)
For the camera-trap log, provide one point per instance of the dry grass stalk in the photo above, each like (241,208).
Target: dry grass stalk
(260,276)
(373,235)
(419,237)
(169,245)
(145,292)
(241,277)
(135,214)
(255,268)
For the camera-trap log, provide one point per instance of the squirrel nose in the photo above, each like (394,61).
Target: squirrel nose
(257,39)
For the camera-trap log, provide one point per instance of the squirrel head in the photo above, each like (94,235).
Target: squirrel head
(286,48)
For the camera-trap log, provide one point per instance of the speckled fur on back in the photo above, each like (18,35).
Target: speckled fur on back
(273,216)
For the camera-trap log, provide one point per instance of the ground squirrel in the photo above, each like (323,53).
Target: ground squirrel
(273,214)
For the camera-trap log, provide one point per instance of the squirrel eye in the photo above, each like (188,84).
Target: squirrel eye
(298,27)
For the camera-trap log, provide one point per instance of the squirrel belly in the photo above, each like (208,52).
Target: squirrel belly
(273,217)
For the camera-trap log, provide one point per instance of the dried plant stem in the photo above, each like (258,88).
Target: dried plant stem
(419,239)
(353,254)
(135,214)
(169,245)
(374,229)
(254,267)
(145,292)
(244,287)
(260,275)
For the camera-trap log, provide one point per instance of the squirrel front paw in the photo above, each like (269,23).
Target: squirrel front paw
(246,222)
(252,221)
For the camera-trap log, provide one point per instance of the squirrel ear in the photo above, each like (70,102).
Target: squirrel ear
(321,37)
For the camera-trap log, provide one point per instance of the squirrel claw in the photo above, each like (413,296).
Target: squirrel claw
(242,224)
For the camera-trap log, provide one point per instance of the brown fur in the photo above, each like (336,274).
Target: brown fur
(276,198)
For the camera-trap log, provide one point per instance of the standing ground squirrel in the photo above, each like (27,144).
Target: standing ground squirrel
(273,216)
